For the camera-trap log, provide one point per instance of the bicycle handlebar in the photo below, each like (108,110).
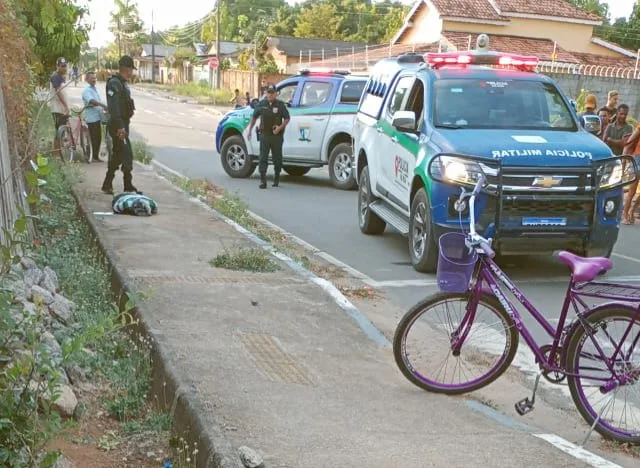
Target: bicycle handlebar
(476,240)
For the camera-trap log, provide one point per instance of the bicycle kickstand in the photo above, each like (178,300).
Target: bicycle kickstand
(525,405)
(597,420)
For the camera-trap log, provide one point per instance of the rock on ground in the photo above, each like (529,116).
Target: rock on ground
(64,462)
(53,347)
(67,402)
(62,309)
(39,294)
(49,280)
(250,458)
(28,263)
(33,277)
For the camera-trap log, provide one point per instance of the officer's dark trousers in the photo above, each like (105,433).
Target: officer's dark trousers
(273,144)
(121,157)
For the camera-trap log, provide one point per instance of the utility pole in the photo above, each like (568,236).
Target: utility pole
(153,51)
(218,43)
(119,38)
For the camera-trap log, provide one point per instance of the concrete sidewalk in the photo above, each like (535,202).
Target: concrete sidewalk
(292,376)
(215,109)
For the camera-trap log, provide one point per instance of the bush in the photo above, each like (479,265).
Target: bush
(141,152)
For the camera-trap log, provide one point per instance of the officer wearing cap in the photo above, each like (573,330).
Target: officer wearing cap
(121,109)
(274,118)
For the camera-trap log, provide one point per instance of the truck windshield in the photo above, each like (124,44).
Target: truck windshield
(501,104)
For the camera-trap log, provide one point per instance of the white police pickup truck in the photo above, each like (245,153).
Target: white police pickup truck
(322,105)
(554,184)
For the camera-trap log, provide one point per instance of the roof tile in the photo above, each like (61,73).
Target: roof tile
(479,9)
(559,8)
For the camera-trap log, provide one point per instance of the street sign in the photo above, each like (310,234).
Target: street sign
(252,63)
(213,63)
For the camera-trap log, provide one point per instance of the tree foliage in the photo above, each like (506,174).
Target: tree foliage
(319,21)
(54,28)
(126,26)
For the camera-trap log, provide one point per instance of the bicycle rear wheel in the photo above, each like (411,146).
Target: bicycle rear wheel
(593,390)
(67,148)
(424,350)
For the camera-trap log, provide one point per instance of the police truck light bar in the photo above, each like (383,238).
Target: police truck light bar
(521,62)
(323,71)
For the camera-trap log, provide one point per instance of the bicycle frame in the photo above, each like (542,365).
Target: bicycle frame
(488,279)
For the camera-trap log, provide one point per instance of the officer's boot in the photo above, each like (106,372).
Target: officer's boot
(107,186)
(276,179)
(128,183)
(263,181)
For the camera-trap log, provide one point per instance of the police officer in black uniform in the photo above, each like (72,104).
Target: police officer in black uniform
(121,109)
(274,118)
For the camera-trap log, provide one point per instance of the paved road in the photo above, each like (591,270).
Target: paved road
(182,137)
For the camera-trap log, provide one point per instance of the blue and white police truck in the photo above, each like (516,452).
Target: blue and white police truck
(555,185)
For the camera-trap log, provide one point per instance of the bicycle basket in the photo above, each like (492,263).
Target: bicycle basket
(455,263)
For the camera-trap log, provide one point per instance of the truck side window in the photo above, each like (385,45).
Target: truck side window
(399,94)
(315,93)
(352,92)
(415,102)
(286,93)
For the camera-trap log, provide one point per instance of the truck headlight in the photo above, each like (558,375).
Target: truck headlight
(459,170)
(610,174)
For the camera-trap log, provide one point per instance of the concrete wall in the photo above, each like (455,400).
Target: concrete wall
(629,89)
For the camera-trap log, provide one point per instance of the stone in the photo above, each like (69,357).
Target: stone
(33,276)
(28,263)
(17,288)
(250,458)
(62,309)
(64,462)
(53,347)
(76,374)
(39,294)
(29,308)
(67,402)
(49,280)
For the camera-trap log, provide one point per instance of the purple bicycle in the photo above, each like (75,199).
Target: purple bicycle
(466,336)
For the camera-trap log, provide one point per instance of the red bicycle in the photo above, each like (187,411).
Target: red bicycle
(75,140)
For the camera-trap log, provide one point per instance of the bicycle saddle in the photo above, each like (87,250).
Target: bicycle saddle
(585,268)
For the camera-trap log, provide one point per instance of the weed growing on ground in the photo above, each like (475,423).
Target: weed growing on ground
(141,151)
(256,260)
(98,341)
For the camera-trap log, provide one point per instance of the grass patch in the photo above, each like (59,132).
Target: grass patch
(141,152)
(203,93)
(256,260)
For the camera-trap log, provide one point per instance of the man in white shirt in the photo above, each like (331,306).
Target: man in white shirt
(92,115)
(58,102)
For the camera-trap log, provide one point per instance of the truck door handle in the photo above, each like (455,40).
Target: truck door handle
(321,119)
(379,129)
(394,139)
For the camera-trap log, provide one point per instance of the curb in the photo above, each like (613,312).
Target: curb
(340,299)
(180,398)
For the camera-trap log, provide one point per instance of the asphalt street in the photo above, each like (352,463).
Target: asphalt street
(182,136)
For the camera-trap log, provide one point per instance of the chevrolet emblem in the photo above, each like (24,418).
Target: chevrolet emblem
(547,182)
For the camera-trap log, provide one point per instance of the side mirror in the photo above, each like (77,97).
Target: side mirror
(592,124)
(404,121)
(253,103)
(573,104)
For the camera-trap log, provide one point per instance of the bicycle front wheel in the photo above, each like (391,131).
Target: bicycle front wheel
(441,347)
(596,392)
(66,143)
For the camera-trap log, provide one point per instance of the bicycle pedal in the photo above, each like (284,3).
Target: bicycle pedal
(524,406)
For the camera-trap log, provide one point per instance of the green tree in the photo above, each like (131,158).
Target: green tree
(126,26)
(55,28)
(592,6)
(319,21)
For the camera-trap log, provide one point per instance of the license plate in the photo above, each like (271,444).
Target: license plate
(544,221)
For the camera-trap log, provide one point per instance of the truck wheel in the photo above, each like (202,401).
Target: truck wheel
(370,223)
(296,171)
(597,252)
(341,167)
(236,162)
(423,247)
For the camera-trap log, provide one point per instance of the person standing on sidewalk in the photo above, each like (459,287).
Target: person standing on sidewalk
(274,118)
(92,115)
(58,101)
(121,109)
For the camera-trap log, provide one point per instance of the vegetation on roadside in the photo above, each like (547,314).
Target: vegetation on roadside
(141,151)
(255,259)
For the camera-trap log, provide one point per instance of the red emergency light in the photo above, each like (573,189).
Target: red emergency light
(520,62)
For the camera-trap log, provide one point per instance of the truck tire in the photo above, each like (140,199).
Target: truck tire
(341,167)
(423,247)
(296,171)
(235,159)
(370,223)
